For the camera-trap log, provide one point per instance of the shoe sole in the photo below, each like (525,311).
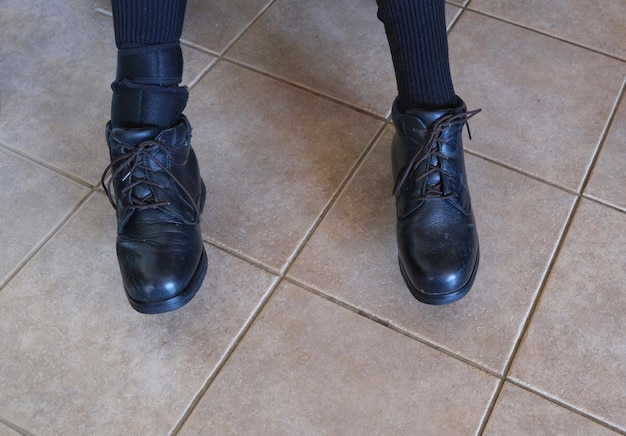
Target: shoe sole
(187,294)
(439,299)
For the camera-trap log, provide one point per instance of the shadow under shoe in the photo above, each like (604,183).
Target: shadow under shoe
(436,232)
(159,195)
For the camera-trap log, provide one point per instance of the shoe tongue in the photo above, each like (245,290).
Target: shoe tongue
(133,137)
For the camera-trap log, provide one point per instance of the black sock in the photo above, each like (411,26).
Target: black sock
(150,63)
(418,40)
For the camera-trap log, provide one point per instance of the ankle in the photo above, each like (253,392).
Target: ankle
(146,91)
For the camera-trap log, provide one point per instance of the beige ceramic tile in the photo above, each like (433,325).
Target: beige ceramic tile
(195,63)
(308,366)
(55,90)
(34,200)
(77,359)
(522,413)
(599,25)
(337,47)
(55,93)
(216,23)
(608,179)
(272,156)
(575,347)
(353,257)
(7,431)
(452,12)
(213,24)
(545,102)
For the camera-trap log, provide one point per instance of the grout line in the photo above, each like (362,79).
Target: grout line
(281,276)
(104,12)
(544,33)
(551,264)
(564,405)
(230,251)
(603,136)
(44,241)
(251,23)
(49,166)
(223,56)
(531,312)
(603,202)
(456,19)
(307,89)
(233,41)
(226,356)
(15,427)
(202,74)
(278,280)
(519,171)
(390,325)
(200,48)
(340,190)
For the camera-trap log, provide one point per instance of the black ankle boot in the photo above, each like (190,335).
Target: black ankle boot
(159,196)
(436,231)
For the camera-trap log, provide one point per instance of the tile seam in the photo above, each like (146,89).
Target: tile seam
(388,324)
(603,137)
(49,166)
(332,201)
(278,281)
(15,427)
(544,33)
(602,202)
(306,89)
(45,239)
(282,276)
(225,358)
(551,264)
(564,405)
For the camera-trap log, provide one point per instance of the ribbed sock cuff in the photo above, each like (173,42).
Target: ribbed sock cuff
(145,22)
(418,40)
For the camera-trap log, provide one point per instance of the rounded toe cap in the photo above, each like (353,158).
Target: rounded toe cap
(158,269)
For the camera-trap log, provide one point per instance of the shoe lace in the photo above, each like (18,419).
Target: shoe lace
(129,163)
(432,148)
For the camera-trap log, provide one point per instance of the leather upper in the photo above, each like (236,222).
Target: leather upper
(436,232)
(158,196)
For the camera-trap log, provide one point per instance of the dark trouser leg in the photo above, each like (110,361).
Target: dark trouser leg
(150,63)
(155,183)
(436,231)
(416,31)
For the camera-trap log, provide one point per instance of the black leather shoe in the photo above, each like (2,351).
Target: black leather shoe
(436,231)
(159,196)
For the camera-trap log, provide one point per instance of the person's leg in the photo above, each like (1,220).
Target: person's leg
(155,183)
(418,40)
(146,90)
(436,231)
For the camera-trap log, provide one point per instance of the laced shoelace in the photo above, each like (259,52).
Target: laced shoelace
(131,161)
(430,149)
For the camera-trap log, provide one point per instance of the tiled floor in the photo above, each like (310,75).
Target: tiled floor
(304,325)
